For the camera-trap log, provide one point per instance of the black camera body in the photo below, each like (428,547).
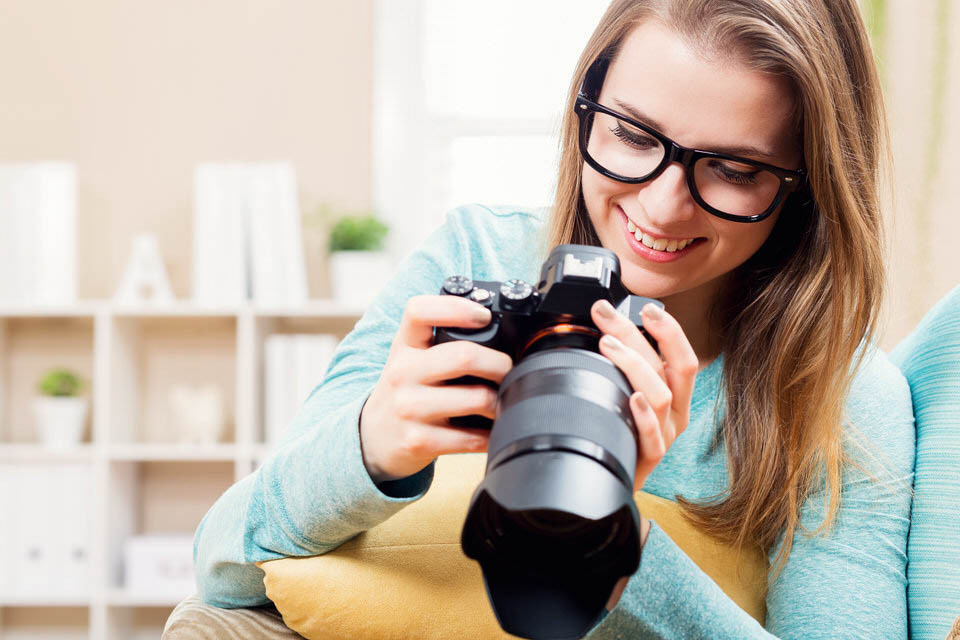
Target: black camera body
(553,523)
(572,279)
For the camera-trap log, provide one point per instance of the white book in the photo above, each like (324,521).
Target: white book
(71,545)
(6,529)
(275,386)
(38,232)
(278,269)
(219,235)
(313,353)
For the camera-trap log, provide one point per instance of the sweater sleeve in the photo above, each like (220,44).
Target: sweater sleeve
(313,492)
(847,583)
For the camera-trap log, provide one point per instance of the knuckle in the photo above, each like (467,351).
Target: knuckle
(405,410)
(464,355)
(689,366)
(416,443)
(416,308)
(391,378)
(663,402)
(487,398)
(656,455)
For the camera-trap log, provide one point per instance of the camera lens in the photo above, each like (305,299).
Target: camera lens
(557,498)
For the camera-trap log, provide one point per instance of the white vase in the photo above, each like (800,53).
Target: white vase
(60,421)
(358,276)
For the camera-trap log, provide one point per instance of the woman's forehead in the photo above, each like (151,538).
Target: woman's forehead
(714,102)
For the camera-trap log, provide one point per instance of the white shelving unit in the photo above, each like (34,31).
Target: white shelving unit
(139,480)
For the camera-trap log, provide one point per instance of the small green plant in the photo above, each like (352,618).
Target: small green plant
(357,233)
(62,383)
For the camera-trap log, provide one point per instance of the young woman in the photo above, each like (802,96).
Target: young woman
(728,153)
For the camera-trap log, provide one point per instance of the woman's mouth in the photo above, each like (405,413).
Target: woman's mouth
(654,248)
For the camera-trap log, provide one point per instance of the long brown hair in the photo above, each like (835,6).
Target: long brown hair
(794,315)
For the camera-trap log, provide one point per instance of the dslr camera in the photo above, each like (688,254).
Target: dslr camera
(553,523)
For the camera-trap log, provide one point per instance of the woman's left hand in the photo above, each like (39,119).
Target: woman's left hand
(662,388)
(660,403)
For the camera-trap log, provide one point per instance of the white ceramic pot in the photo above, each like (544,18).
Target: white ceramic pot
(60,421)
(357,276)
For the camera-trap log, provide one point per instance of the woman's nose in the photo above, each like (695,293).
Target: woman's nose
(667,198)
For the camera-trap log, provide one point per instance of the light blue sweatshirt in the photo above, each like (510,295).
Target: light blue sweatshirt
(313,492)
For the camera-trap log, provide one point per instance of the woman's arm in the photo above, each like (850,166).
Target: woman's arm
(849,584)
(313,492)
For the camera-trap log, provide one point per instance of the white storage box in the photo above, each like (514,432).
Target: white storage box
(159,564)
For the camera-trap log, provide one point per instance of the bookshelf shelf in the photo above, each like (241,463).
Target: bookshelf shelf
(138,474)
(39,453)
(172,452)
(129,598)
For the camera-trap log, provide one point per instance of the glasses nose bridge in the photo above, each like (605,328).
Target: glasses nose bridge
(679,154)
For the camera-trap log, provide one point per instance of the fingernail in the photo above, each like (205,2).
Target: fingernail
(481,314)
(611,342)
(653,311)
(606,310)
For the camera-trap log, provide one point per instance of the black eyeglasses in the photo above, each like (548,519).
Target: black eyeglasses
(730,187)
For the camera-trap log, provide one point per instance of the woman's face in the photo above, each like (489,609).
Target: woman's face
(716,105)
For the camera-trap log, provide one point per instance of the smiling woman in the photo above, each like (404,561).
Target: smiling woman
(727,153)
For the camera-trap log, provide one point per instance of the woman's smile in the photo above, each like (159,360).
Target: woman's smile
(657,248)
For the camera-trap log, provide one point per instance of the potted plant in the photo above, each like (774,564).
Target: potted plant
(358,263)
(59,409)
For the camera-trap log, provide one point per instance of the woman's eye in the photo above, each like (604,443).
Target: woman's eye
(737,174)
(634,138)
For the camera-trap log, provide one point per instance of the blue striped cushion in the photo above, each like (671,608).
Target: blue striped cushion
(930,360)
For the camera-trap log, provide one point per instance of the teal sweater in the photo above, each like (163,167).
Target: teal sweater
(313,492)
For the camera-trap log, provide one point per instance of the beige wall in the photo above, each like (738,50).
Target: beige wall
(136,93)
(925,223)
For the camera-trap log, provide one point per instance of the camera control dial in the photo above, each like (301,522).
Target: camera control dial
(458,285)
(481,296)
(515,292)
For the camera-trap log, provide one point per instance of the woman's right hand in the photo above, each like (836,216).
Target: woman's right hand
(404,424)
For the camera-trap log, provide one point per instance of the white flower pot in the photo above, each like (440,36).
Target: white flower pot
(60,421)
(358,276)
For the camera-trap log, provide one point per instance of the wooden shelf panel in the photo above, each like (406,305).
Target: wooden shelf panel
(39,453)
(172,452)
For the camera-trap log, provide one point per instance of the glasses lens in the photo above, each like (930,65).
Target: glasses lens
(735,188)
(622,148)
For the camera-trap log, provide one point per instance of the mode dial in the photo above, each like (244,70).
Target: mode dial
(458,285)
(515,291)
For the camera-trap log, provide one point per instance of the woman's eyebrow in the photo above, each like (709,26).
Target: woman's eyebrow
(738,150)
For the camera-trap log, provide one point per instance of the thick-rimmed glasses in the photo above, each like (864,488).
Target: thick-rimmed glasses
(730,187)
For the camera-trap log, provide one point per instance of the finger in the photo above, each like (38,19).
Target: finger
(611,321)
(437,404)
(429,441)
(639,372)
(461,358)
(650,444)
(422,313)
(679,358)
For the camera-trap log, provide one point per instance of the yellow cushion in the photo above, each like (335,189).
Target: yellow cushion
(408,578)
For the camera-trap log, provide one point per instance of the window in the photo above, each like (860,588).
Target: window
(468,102)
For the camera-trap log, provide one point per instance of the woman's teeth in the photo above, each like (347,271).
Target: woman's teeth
(657,244)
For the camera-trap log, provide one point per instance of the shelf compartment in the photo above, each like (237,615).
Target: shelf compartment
(29,347)
(150,357)
(27,622)
(47,541)
(136,622)
(158,497)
